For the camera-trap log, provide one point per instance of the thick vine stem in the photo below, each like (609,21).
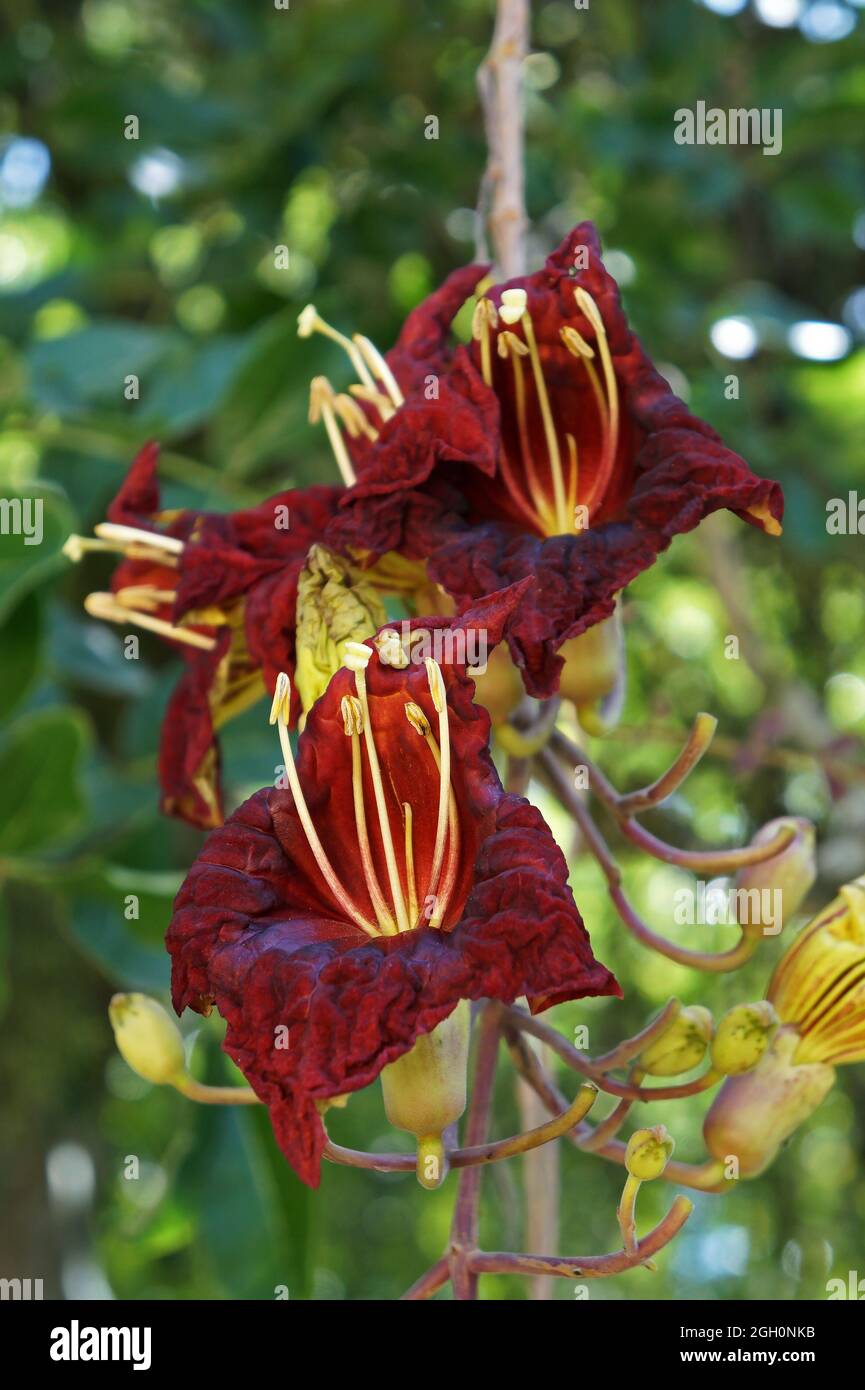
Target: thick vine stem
(465,1223)
(500,85)
(714,962)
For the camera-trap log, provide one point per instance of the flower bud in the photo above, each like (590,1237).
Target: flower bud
(648,1153)
(147,1038)
(593,672)
(754,1113)
(782,882)
(682,1046)
(742,1036)
(499,688)
(425,1090)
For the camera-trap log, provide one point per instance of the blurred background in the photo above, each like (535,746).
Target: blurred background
(155,256)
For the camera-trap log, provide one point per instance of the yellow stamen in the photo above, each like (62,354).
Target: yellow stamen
(376,398)
(133,535)
(279,714)
(409,863)
(562,519)
(321,407)
(352,716)
(106,607)
(310,321)
(449,873)
(483,319)
(144,597)
(586,303)
(509,345)
(439,697)
(353,417)
(416,717)
(380,368)
(574,475)
(513,305)
(357,657)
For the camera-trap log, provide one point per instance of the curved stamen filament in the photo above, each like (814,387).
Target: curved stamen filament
(439,697)
(145,597)
(574,476)
(409,862)
(586,303)
(353,417)
(420,724)
(380,368)
(279,713)
(353,722)
(321,407)
(483,319)
(310,321)
(107,607)
(548,423)
(376,398)
(357,656)
(509,345)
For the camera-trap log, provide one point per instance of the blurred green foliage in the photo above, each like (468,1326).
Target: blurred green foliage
(155,256)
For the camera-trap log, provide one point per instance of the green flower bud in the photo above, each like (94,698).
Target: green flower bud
(425,1090)
(753,1114)
(777,887)
(742,1036)
(648,1153)
(147,1038)
(682,1046)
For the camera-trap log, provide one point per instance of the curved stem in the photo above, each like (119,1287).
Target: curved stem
(589,1266)
(429,1283)
(215,1095)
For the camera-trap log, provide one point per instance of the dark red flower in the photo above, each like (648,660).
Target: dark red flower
(222,590)
(410,888)
(549,446)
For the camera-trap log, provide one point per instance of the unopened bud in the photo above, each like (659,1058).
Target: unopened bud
(789,874)
(752,1115)
(425,1090)
(742,1036)
(648,1153)
(147,1038)
(682,1046)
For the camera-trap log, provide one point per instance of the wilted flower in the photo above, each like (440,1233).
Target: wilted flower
(337,923)
(549,447)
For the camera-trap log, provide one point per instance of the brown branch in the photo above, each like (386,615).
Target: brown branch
(466,1217)
(588,1266)
(500,86)
(429,1283)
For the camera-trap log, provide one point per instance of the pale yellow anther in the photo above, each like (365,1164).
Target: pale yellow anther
(321,395)
(281,703)
(75,548)
(106,607)
(309,321)
(589,308)
(513,305)
(357,656)
(508,343)
(390,649)
(418,720)
(436,683)
(322,406)
(376,398)
(353,417)
(576,343)
(484,317)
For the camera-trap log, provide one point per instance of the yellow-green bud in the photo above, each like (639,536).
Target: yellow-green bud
(787,877)
(425,1090)
(593,671)
(648,1153)
(336,604)
(753,1114)
(681,1046)
(742,1036)
(147,1038)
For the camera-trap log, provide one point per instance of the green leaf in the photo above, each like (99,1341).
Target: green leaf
(20,652)
(34,523)
(41,799)
(105,936)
